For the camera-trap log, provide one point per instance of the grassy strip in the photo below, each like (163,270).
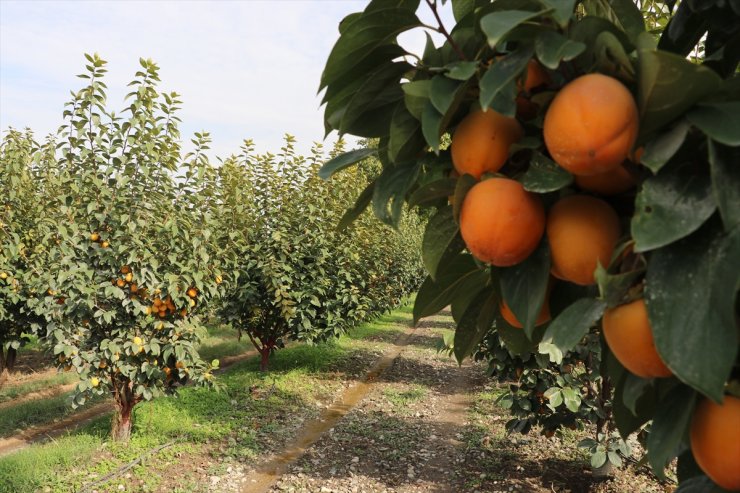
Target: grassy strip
(253,414)
(11,392)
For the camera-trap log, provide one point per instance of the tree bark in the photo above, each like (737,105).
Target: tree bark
(125,401)
(265,361)
(10,357)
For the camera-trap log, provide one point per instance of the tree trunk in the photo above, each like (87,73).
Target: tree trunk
(265,361)
(125,401)
(10,359)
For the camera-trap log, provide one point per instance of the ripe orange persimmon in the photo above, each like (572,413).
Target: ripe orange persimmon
(629,336)
(582,231)
(715,440)
(481,142)
(591,125)
(192,292)
(613,182)
(500,222)
(511,319)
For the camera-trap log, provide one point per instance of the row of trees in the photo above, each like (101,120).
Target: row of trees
(116,245)
(584,219)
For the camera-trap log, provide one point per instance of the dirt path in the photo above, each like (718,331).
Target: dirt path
(404,433)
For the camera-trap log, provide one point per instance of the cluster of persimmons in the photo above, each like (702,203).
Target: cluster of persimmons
(590,129)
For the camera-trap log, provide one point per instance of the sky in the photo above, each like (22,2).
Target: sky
(244,68)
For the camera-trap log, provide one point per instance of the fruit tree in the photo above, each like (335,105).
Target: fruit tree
(592,174)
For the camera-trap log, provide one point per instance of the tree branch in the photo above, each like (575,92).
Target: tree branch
(441,29)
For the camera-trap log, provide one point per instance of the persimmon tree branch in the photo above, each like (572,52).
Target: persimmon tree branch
(442,30)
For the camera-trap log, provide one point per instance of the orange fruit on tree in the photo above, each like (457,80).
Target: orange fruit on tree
(715,440)
(591,125)
(582,231)
(536,77)
(500,222)
(613,182)
(192,292)
(629,336)
(105,244)
(125,269)
(481,142)
(120,283)
(511,319)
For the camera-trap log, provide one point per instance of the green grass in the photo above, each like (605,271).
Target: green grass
(11,392)
(31,413)
(401,399)
(252,411)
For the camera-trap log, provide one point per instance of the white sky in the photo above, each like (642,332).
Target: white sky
(244,68)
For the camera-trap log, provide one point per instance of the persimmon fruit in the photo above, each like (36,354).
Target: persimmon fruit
(715,440)
(500,222)
(481,142)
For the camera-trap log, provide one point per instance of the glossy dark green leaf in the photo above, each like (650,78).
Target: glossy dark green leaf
(502,73)
(515,340)
(442,92)
(344,160)
(660,149)
(361,37)
(629,16)
(524,285)
(461,70)
(433,191)
(720,121)
(475,324)
(686,467)
(573,323)
(390,192)
(690,293)
(498,24)
(552,47)
(362,202)
(615,288)
(684,30)
(671,205)
(668,85)
(461,8)
(416,96)
(562,10)
(460,275)
(431,57)
(406,139)
(726,182)
(374,101)
(699,484)
(611,56)
(544,175)
(464,184)
(672,417)
(431,121)
(441,238)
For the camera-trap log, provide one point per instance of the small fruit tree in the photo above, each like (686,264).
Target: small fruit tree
(24,228)
(590,192)
(295,276)
(133,263)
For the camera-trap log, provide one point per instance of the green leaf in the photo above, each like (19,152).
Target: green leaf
(690,295)
(461,70)
(464,184)
(497,25)
(475,324)
(524,286)
(544,175)
(390,192)
(726,182)
(720,121)
(431,121)
(344,160)
(416,96)
(615,289)
(635,392)
(660,149)
(573,323)
(460,275)
(552,47)
(699,484)
(668,85)
(461,8)
(671,205)
(433,191)
(502,73)
(572,399)
(353,52)
(672,417)
(629,16)
(562,10)
(406,138)
(441,239)
(360,205)
(598,459)
(442,92)
(370,109)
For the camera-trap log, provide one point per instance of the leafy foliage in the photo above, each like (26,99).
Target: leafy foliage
(680,216)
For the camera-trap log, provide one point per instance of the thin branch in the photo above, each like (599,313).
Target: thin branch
(441,29)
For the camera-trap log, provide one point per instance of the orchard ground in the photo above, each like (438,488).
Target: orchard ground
(423,424)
